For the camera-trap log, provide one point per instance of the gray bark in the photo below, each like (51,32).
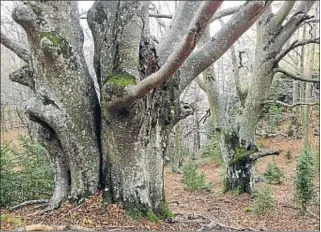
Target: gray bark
(237,137)
(64,91)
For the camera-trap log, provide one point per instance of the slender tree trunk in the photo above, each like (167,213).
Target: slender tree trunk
(176,155)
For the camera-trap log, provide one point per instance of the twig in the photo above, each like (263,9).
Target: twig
(314,215)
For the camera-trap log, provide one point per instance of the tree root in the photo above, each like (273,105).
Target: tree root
(31,202)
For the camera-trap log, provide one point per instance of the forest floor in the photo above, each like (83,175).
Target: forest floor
(193,210)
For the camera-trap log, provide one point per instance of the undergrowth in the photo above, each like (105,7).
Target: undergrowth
(25,173)
(193,180)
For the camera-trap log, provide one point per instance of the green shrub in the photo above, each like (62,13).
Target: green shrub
(26,173)
(192,180)
(288,155)
(212,150)
(263,201)
(304,187)
(274,116)
(273,174)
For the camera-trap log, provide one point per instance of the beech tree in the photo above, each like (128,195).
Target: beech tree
(116,144)
(237,135)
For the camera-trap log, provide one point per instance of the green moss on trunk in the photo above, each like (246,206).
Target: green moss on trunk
(121,80)
(139,212)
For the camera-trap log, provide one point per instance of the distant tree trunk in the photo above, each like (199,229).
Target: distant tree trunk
(237,136)
(308,95)
(196,133)
(176,155)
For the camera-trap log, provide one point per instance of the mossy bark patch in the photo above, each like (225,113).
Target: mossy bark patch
(121,80)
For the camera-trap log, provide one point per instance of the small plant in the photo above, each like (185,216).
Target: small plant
(304,187)
(273,174)
(288,155)
(192,180)
(263,201)
(212,150)
(274,116)
(9,221)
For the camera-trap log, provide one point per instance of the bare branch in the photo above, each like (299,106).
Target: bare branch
(16,47)
(161,16)
(176,59)
(225,12)
(31,202)
(296,77)
(222,41)
(296,44)
(263,153)
(291,105)
(264,134)
(299,16)
(183,17)
(158,16)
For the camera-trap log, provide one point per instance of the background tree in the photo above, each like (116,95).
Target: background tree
(237,135)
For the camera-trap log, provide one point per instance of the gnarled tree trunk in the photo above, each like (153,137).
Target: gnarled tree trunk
(58,75)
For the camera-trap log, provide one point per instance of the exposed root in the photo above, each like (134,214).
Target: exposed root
(31,202)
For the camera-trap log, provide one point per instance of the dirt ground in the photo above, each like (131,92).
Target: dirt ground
(227,209)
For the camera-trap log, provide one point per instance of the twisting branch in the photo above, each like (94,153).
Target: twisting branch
(294,45)
(296,77)
(263,153)
(299,16)
(16,47)
(175,60)
(207,115)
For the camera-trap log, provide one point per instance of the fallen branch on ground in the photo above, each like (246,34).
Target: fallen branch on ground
(265,134)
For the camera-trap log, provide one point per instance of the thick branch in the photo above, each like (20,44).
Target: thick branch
(291,105)
(296,77)
(263,153)
(282,13)
(16,47)
(176,59)
(183,17)
(296,44)
(236,74)
(221,42)
(24,76)
(225,12)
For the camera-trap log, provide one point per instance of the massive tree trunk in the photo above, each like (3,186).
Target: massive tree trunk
(134,136)
(58,75)
(124,142)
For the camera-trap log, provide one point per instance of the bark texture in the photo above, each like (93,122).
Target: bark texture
(58,74)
